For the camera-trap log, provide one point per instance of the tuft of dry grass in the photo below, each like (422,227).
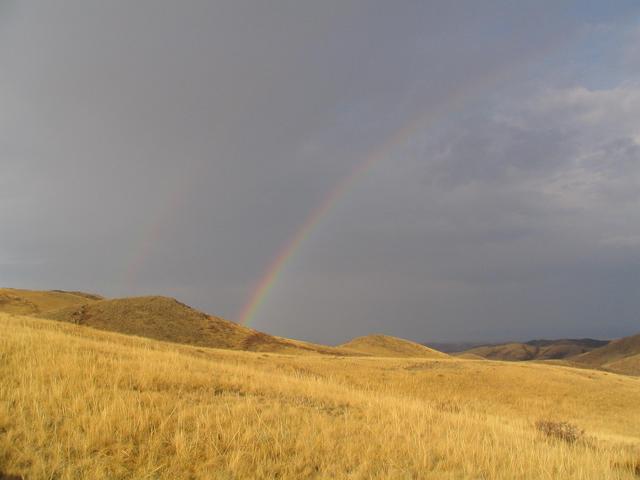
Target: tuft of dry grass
(81,403)
(565,431)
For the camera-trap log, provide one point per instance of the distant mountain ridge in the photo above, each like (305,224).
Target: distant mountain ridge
(538,349)
(459,347)
(620,355)
(586,342)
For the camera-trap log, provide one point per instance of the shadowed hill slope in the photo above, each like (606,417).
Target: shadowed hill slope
(387,346)
(538,349)
(163,318)
(30,302)
(507,351)
(621,355)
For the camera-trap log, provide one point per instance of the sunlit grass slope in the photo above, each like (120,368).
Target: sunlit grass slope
(468,356)
(387,346)
(621,355)
(164,318)
(76,402)
(28,302)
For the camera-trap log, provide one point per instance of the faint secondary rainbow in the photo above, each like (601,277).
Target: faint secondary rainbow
(268,279)
(162,221)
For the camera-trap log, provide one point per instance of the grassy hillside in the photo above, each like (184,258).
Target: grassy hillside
(628,365)
(166,319)
(537,349)
(453,347)
(468,356)
(386,346)
(621,355)
(29,302)
(507,351)
(76,402)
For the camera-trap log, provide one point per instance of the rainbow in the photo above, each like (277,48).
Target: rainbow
(270,276)
(402,135)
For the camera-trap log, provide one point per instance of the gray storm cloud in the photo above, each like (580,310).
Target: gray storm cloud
(175,147)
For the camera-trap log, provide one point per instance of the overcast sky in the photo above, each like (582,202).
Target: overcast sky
(173,148)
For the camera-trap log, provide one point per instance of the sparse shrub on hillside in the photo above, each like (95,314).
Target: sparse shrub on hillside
(449,406)
(561,430)
(635,467)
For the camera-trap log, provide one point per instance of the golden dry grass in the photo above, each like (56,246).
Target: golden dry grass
(628,365)
(468,356)
(81,403)
(28,302)
(508,351)
(387,346)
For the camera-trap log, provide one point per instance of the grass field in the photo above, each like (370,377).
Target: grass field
(81,403)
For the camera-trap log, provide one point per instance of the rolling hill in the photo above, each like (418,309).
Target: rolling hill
(621,355)
(538,349)
(166,319)
(387,346)
(29,302)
